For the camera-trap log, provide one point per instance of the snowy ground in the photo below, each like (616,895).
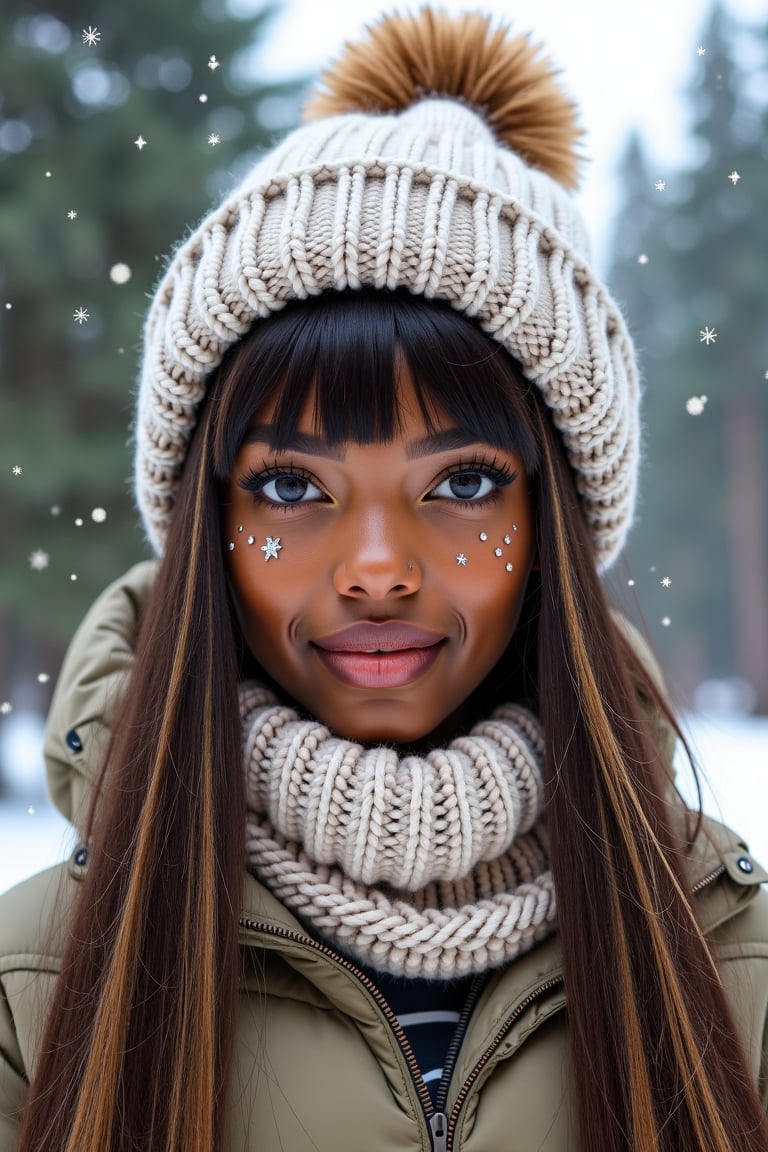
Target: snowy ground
(733,754)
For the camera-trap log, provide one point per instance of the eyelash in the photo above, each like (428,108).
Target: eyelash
(496,470)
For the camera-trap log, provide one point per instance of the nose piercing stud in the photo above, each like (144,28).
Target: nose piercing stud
(461,559)
(271,548)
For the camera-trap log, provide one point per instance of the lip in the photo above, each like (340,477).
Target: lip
(366,635)
(380,669)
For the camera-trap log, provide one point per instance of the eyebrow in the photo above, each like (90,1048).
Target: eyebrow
(429,445)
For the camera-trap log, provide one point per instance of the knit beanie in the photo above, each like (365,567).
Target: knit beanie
(437,155)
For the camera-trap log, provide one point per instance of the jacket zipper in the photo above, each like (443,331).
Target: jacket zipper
(441,1127)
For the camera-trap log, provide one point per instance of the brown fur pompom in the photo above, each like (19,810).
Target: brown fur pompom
(404,58)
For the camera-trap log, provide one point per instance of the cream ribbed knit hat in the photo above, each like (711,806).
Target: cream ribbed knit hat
(438,158)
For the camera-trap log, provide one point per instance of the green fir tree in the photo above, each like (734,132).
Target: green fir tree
(79,196)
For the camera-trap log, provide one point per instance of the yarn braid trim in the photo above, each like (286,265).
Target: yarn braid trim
(455,841)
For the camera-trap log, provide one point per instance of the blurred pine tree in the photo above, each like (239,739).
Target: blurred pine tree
(703,517)
(70,113)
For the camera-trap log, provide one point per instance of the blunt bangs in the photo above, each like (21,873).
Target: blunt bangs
(345,350)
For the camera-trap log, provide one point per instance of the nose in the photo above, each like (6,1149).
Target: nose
(375,561)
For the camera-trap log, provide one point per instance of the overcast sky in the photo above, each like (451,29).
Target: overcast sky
(624,61)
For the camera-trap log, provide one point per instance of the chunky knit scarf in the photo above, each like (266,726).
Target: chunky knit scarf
(432,866)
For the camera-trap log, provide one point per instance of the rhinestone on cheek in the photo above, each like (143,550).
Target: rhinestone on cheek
(483,535)
(510,567)
(507,539)
(497,551)
(251,539)
(231,547)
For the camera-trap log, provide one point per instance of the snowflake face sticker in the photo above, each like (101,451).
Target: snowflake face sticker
(38,560)
(81,316)
(461,559)
(707,336)
(91,36)
(271,548)
(660,185)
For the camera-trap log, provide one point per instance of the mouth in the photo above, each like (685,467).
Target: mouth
(380,668)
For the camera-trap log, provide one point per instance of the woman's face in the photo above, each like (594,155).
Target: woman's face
(378,547)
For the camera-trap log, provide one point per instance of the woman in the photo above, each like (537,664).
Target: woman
(387,439)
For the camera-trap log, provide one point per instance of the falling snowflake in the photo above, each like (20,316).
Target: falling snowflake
(140,143)
(73,576)
(214,139)
(17,470)
(72,215)
(81,315)
(666,621)
(461,559)
(30,811)
(43,677)
(203,98)
(6,707)
(55,510)
(79,522)
(694,405)
(642,258)
(734,177)
(707,336)
(8,307)
(120,273)
(91,36)
(660,185)
(98,515)
(700,50)
(665,582)
(630,583)
(213,63)
(48,175)
(271,548)
(38,560)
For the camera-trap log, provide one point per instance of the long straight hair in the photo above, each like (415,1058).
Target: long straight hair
(139,1038)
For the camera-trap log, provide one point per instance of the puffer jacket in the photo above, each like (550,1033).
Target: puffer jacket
(321,1064)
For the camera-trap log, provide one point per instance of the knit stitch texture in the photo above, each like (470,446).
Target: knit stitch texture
(428,199)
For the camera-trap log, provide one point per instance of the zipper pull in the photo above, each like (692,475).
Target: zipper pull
(439,1125)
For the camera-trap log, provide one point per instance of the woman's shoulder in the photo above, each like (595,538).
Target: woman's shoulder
(34,917)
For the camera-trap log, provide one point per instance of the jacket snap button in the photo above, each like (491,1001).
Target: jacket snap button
(81,857)
(73,741)
(745,864)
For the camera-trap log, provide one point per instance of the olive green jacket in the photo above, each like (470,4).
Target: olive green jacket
(320,1063)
